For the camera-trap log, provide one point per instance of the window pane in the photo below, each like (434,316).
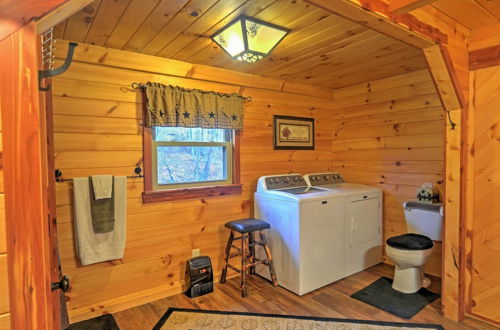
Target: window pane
(190,134)
(186,164)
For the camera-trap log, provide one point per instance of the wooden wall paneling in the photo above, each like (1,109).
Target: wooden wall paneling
(28,244)
(173,68)
(389,133)
(483,222)
(94,100)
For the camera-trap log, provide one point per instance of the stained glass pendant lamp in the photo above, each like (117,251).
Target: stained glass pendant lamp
(247,39)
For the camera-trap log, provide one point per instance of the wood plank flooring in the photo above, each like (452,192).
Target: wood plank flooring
(330,301)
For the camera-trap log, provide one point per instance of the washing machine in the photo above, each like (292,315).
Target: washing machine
(362,219)
(307,234)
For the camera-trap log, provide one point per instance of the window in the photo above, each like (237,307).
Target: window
(189,162)
(191,157)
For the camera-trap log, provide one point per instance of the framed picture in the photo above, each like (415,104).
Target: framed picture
(293,133)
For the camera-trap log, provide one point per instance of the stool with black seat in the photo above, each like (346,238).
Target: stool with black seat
(247,228)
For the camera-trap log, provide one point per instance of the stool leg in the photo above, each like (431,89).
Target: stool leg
(251,241)
(226,258)
(269,258)
(244,257)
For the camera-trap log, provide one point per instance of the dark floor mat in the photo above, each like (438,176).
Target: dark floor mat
(103,322)
(381,295)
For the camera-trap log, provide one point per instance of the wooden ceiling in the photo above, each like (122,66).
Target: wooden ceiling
(471,13)
(321,49)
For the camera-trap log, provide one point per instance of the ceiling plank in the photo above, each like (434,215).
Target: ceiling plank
(376,15)
(404,6)
(105,20)
(78,25)
(59,14)
(492,6)
(466,12)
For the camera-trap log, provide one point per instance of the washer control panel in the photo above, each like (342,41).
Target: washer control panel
(281,181)
(321,179)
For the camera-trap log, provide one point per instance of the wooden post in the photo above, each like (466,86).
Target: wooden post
(450,291)
(25,172)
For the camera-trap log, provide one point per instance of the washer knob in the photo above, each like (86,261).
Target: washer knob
(295,178)
(286,179)
(276,180)
(326,177)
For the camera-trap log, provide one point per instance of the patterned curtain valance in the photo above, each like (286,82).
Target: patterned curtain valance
(180,107)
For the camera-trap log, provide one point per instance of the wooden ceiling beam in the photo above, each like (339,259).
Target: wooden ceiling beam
(404,6)
(59,14)
(484,58)
(444,78)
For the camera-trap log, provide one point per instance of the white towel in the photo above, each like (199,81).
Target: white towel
(92,247)
(102,186)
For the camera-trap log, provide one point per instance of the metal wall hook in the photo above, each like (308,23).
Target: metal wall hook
(50,73)
(452,124)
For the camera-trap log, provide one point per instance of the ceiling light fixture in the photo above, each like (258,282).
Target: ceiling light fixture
(247,39)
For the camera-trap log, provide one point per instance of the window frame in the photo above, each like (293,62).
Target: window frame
(150,195)
(228,161)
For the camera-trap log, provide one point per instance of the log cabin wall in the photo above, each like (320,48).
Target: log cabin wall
(483,227)
(390,133)
(97,131)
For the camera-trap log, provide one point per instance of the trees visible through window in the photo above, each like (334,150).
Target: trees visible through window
(191,157)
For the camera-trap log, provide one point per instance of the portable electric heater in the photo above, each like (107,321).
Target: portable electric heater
(199,276)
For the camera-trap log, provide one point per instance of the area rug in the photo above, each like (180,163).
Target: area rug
(381,295)
(103,322)
(177,319)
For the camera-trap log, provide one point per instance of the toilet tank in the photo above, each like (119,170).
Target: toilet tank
(424,219)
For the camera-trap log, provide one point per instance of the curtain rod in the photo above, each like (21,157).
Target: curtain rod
(141,86)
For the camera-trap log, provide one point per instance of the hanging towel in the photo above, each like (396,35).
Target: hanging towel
(103,186)
(94,247)
(102,210)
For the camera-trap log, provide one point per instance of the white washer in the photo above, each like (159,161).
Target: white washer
(363,219)
(307,235)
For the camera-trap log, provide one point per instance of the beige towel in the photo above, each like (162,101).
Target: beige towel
(91,247)
(102,186)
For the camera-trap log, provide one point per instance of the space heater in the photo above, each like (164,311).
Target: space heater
(199,276)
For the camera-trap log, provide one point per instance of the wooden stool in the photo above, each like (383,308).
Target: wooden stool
(247,229)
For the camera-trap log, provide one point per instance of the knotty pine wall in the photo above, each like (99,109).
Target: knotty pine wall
(4,288)
(97,130)
(483,227)
(390,133)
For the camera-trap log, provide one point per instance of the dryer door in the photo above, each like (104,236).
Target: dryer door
(363,219)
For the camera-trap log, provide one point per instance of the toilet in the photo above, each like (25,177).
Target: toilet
(409,252)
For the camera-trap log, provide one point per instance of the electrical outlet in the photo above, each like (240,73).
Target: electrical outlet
(195,253)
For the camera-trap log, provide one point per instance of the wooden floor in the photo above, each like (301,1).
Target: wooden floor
(330,301)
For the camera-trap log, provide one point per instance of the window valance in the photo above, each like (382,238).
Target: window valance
(180,107)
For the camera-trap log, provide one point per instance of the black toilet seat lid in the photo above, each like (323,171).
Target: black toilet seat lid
(410,242)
